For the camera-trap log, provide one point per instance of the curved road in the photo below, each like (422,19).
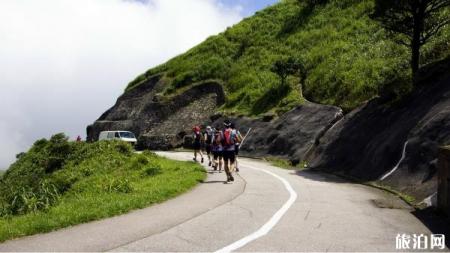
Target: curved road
(265,209)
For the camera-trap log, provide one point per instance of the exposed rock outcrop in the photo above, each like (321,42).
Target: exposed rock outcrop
(160,122)
(369,142)
(291,136)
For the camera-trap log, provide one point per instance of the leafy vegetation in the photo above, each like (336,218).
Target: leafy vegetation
(413,22)
(58,183)
(348,57)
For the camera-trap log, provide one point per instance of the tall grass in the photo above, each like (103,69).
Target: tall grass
(348,56)
(88,182)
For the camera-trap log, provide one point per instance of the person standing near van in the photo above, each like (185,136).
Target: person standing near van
(208,137)
(229,153)
(197,143)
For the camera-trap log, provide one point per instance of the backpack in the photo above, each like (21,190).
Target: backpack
(229,137)
(217,139)
(238,137)
(209,137)
(198,136)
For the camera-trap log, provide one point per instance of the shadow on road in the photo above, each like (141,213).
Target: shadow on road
(211,182)
(320,176)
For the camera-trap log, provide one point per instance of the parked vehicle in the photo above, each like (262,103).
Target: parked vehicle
(126,136)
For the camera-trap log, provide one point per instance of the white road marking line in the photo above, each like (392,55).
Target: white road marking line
(265,229)
(398,163)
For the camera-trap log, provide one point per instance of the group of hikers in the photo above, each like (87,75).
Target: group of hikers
(221,146)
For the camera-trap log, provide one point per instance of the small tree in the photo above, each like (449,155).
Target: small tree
(416,21)
(291,66)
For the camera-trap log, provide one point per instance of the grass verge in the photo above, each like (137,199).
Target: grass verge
(284,163)
(94,181)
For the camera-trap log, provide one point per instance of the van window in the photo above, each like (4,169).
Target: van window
(117,135)
(110,135)
(127,135)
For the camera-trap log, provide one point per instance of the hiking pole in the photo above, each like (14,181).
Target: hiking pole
(242,142)
(240,146)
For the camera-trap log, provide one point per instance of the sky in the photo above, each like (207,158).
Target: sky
(64,62)
(249,7)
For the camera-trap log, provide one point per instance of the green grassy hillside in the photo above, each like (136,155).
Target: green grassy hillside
(348,57)
(59,183)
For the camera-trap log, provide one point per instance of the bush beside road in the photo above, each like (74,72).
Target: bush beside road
(59,183)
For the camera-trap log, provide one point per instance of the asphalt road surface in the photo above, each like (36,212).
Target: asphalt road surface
(265,209)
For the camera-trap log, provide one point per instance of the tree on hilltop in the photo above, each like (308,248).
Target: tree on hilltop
(413,22)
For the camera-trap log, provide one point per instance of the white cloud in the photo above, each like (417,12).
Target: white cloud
(64,62)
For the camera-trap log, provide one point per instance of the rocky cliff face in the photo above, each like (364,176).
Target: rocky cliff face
(160,122)
(291,136)
(395,144)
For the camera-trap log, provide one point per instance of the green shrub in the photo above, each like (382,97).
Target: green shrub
(93,181)
(51,167)
(124,148)
(138,161)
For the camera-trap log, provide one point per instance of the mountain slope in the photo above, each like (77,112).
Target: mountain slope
(351,64)
(348,57)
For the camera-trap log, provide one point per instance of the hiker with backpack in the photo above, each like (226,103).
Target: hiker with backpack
(217,150)
(198,138)
(236,145)
(208,137)
(230,138)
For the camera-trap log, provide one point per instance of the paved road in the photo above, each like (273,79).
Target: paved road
(265,209)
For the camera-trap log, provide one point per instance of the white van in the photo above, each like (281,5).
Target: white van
(118,135)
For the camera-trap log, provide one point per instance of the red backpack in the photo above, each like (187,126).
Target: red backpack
(229,137)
